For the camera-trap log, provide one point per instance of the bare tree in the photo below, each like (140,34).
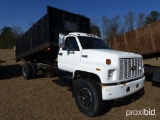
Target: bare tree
(122,28)
(141,19)
(94,27)
(94,21)
(129,21)
(17,30)
(105,25)
(111,27)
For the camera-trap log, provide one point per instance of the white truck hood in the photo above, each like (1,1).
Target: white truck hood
(100,55)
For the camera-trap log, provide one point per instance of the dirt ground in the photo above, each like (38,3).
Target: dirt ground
(46,99)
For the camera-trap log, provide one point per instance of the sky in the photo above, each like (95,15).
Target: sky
(22,13)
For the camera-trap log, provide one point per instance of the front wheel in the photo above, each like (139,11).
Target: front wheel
(88,97)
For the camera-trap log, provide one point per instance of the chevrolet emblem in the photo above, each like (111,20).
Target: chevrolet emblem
(133,68)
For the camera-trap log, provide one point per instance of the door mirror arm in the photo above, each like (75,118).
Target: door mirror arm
(61,45)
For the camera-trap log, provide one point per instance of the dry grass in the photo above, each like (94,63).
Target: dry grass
(45,99)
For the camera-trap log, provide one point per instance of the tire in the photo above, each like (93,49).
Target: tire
(27,71)
(34,70)
(88,97)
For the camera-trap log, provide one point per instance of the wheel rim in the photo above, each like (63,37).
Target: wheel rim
(85,98)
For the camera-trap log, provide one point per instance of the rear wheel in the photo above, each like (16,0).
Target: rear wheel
(34,69)
(88,97)
(27,71)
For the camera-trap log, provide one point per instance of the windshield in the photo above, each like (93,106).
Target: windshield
(92,43)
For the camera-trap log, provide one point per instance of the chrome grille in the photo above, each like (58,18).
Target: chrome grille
(130,68)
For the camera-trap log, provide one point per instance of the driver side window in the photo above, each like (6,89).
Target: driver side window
(71,44)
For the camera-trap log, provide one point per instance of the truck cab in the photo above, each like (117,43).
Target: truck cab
(95,68)
(72,53)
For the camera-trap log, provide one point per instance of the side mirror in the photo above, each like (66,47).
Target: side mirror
(61,45)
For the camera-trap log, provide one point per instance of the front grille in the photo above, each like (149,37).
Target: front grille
(130,68)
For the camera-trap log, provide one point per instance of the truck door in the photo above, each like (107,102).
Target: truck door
(69,56)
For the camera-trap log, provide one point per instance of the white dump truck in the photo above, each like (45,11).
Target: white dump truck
(94,72)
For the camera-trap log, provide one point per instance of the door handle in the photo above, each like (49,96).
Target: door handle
(60,54)
(85,56)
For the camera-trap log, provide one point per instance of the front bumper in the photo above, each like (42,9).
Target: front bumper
(122,90)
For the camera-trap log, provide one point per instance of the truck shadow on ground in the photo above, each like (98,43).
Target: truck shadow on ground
(10,71)
(149,77)
(149,74)
(108,105)
(156,84)
(61,83)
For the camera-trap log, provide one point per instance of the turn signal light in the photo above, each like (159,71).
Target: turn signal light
(108,61)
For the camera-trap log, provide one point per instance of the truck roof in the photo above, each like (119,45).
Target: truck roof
(82,34)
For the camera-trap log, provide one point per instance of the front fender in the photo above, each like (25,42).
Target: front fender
(100,70)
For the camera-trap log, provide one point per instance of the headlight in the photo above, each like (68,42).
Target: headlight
(110,74)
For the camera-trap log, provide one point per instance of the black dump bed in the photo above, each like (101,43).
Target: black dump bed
(41,40)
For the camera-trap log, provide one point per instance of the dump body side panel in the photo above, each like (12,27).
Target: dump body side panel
(34,40)
(41,40)
(144,40)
